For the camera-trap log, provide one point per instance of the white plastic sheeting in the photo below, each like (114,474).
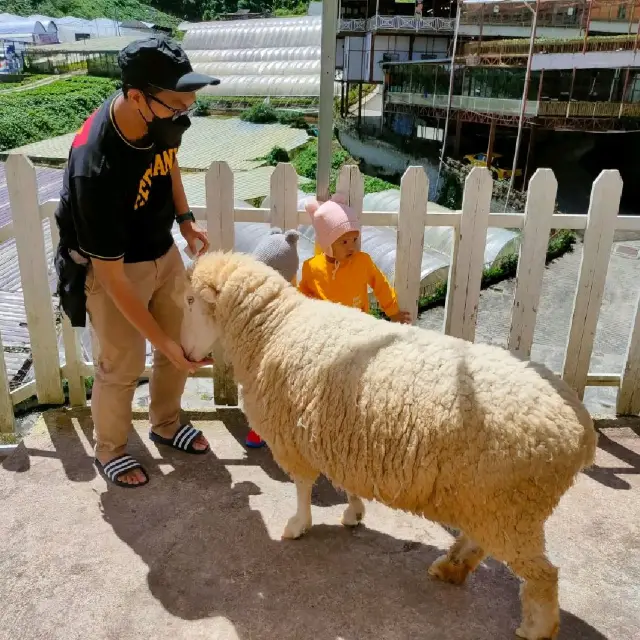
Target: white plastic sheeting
(33,27)
(500,242)
(271,57)
(306,86)
(267,54)
(254,34)
(277,68)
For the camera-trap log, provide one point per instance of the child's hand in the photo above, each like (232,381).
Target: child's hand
(404,317)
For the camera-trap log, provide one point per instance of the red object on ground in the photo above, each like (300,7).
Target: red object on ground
(254,440)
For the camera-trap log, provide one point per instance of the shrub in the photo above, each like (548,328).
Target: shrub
(260,114)
(202,106)
(450,194)
(51,110)
(294,119)
(276,155)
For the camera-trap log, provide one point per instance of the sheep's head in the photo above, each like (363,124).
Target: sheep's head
(218,286)
(199,331)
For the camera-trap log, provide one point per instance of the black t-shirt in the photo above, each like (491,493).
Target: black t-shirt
(116,199)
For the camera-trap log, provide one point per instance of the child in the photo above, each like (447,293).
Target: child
(342,273)
(279,251)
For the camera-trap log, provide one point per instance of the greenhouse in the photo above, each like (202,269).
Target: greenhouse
(262,57)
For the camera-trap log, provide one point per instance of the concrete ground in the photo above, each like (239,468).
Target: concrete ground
(197,553)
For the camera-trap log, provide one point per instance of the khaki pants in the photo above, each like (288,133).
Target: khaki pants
(121,352)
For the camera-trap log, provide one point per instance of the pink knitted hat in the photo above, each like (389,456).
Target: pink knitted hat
(331,220)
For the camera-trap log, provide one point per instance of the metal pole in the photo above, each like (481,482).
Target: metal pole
(325,109)
(446,122)
(586,28)
(523,106)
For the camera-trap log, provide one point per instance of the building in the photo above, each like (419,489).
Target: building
(372,32)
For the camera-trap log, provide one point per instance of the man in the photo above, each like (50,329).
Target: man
(121,193)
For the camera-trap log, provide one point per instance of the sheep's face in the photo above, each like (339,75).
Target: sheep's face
(199,331)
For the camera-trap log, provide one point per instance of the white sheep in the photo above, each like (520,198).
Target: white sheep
(463,434)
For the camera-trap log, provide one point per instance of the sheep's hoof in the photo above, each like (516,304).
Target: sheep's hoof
(447,571)
(525,631)
(296,527)
(353,515)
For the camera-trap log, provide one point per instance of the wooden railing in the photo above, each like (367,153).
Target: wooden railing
(464,282)
(520,47)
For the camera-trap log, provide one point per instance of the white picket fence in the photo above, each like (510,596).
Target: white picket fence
(465,274)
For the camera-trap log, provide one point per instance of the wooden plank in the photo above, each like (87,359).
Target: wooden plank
(598,239)
(23,392)
(220,207)
(7,421)
(284,197)
(576,222)
(350,184)
(629,397)
(72,351)
(541,198)
(467,260)
(23,195)
(414,195)
(221,230)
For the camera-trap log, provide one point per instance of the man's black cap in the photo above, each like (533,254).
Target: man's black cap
(160,62)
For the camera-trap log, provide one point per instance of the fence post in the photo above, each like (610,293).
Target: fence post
(414,194)
(467,259)
(629,395)
(541,199)
(32,261)
(72,350)
(7,424)
(598,239)
(221,231)
(351,185)
(284,197)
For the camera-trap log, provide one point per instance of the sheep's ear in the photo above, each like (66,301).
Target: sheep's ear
(209,295)
(291,236)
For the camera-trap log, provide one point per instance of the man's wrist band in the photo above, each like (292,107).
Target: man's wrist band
(184,217)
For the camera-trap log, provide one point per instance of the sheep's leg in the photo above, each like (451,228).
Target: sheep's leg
(539,597)
(461,559)
(301,522)
(354,513)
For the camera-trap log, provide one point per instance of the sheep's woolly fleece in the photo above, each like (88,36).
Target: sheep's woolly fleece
(464,434)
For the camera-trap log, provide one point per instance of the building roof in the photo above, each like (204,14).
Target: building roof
(112,44)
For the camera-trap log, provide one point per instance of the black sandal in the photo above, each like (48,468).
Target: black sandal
(118,466)
(182,441)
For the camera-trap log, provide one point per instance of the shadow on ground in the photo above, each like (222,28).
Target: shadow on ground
(209,554)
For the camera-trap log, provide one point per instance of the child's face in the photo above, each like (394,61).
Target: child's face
(345,246)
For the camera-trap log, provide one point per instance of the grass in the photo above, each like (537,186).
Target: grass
(27,80)
(305,162)
(50,110)
(9,438)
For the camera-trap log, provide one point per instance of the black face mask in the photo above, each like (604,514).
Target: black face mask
(166,132)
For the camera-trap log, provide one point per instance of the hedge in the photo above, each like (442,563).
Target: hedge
(50,110)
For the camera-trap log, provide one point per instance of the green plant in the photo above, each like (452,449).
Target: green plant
(202,106)
(260,114)
(276,155)
(294,119)
(450,194)
(50,110)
